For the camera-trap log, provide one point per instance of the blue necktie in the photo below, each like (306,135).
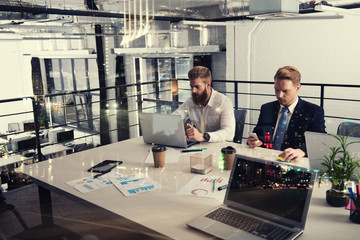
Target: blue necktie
(281,129)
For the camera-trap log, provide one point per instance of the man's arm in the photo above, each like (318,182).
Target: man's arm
(266,121)
(291,154)
(316,124)
(193,133)
(182,110)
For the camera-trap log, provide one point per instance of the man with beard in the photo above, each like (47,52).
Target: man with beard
(210,114)
(287,119)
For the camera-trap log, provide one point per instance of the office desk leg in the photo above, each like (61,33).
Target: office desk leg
(45,206)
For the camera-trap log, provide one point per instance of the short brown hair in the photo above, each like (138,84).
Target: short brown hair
(290,73)
(200,72)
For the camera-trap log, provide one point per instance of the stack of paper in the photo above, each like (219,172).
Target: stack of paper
(131,184)
(205,186)
(88,184)
(128,185)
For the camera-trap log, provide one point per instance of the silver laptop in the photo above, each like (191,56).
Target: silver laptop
(165,130)
(264,199)
(317,146)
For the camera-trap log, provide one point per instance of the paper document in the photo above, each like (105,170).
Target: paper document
(171,156)
(88,184)
(132,184)
(206,186)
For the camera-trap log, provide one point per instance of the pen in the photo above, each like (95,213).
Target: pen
(214,185)
(222,187)
(193,150)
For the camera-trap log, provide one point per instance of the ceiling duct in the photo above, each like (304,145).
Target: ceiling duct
(273,6)
(9,15)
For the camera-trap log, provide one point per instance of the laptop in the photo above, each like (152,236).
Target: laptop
(165,130)
(264,199)
(317,146)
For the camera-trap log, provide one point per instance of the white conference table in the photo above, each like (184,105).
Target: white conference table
(164,210)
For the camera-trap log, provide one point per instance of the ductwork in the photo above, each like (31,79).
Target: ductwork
(173,11)
(273,6)
(16,15)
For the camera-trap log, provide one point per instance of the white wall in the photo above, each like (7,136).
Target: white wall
(15,73)
(324,50)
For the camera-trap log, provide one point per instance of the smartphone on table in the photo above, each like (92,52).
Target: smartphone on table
(105,166)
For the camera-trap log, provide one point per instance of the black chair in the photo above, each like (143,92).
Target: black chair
(349,129)
(41,232)
(240,115)
(4,207)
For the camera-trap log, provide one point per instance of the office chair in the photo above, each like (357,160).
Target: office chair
(9,207)
(240,115)
(41,232)
(349,129)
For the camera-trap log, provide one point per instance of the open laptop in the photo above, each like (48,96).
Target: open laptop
(271,197)
(317,146)
(165,130)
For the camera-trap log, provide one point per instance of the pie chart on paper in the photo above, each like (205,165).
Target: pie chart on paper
(199,192)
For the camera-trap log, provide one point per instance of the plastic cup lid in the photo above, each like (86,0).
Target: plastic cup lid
(228,150)
(158,148)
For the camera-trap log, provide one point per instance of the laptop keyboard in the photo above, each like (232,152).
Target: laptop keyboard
(248,224)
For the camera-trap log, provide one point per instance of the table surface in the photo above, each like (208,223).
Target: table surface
(164,210)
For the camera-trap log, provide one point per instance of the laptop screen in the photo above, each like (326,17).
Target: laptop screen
(318,145)
(27,144)
(163,129)
(271,190)
(65,136)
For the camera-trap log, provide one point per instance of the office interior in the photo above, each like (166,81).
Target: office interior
(75,74)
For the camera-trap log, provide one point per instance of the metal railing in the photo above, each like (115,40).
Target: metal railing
(325,97)
(235,89)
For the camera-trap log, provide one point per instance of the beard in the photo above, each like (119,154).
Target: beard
(200,98)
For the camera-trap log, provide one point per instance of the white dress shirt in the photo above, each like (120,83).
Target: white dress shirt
(216,118)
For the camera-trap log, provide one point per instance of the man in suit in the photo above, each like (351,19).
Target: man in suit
(287,119)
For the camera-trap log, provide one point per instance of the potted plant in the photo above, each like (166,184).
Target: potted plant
(3,149)
(340,166)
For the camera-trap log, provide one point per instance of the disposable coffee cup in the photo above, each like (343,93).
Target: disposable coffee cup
(228,154)
(159,156)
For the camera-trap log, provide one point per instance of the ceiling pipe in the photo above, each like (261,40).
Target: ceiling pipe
(89,13)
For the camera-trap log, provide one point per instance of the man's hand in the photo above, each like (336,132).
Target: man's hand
(253,143)
(291,154)
(193,133)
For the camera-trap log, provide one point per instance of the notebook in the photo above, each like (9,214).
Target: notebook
(165,130)
(271,198)
(316,145)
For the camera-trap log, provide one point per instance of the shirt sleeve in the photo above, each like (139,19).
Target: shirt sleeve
(182,110)
(227,124)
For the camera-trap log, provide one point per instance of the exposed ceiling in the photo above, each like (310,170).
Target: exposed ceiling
(51,16)
(160,9)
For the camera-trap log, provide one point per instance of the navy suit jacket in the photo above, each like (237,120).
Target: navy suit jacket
(306,117)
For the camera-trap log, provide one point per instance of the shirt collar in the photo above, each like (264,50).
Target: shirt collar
(212,98)
(292,106)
